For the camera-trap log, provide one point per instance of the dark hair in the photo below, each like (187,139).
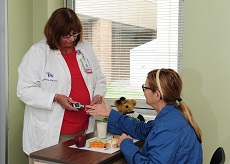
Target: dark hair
(171,87)
(62,22)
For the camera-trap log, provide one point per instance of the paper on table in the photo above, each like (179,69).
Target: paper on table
(102,150)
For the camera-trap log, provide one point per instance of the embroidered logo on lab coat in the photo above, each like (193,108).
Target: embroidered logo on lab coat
(49,77)
(49,74)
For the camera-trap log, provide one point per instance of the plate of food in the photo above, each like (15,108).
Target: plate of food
(105,145)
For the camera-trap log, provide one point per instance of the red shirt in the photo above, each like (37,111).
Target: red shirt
(74,122)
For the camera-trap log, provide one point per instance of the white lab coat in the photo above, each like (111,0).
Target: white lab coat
(43,73)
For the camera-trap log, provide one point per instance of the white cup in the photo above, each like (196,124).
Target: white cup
(101,129)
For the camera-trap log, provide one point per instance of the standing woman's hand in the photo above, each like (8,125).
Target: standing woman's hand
(96,100)
(65,102)
(103,109)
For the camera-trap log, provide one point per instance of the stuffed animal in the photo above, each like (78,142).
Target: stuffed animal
(126,106)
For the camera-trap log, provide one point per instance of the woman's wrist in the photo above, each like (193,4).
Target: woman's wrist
(108,112)
(55,98)
(99,96)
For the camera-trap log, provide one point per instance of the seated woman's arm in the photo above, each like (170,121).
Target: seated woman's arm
(119,123)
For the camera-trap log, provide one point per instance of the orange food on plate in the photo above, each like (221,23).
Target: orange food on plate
(97,144)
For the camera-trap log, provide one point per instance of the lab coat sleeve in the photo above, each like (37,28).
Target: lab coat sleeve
(29,80)
(100,85)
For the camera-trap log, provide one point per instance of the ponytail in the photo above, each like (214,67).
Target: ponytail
(188,116)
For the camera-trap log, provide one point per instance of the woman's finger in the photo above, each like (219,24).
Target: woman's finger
(89,107)
(104,100)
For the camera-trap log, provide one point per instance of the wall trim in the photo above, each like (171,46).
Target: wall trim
(3,82)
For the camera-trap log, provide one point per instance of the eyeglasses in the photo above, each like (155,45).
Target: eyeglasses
(70,35)
(144,87)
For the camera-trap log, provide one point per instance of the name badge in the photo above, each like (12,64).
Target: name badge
(84,62)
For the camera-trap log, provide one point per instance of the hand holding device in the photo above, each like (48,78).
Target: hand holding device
(77,105)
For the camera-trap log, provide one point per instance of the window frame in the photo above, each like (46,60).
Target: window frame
(142,107)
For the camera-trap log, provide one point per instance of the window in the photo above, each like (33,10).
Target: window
(132,37)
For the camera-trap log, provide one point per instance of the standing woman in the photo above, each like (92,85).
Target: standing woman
(54,73)
(172,138)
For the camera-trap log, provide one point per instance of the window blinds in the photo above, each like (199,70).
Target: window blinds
(132,37)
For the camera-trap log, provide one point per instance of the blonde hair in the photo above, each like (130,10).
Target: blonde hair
(169,84)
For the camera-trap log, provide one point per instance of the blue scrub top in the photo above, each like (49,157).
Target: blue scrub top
(169,139)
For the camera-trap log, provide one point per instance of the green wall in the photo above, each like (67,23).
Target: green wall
(26,20)
(20,38)
(206,70)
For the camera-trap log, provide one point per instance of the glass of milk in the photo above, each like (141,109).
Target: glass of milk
(101,129)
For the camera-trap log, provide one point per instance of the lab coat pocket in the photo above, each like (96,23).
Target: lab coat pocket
(38,133)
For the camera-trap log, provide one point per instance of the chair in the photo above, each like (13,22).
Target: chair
(218,157)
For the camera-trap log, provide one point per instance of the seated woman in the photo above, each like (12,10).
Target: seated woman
(173,137)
